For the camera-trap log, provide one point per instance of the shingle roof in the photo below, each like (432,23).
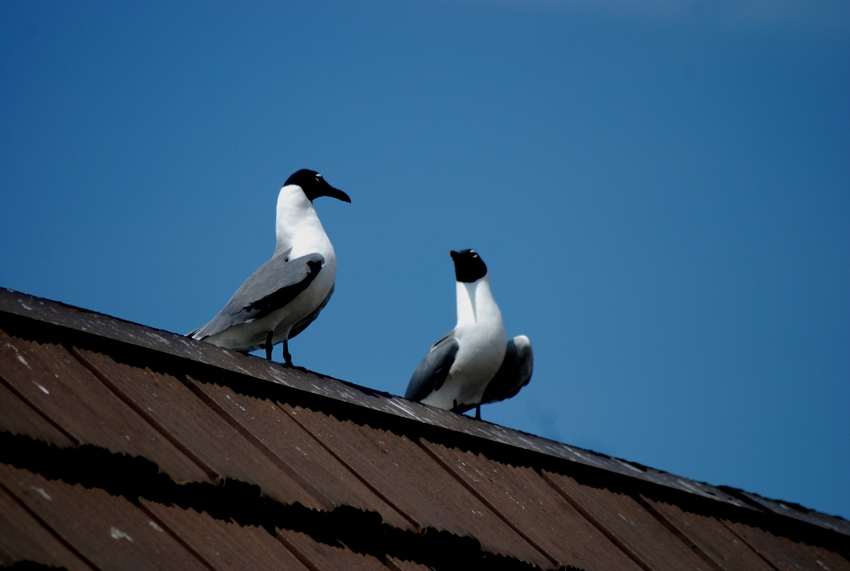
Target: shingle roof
(125,447)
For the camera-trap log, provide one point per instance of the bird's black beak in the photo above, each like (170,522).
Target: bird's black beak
(328,190)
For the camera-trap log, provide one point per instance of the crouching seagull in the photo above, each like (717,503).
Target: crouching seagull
(474,363)
(285,295)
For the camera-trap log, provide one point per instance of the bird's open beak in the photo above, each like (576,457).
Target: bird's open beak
(335,193)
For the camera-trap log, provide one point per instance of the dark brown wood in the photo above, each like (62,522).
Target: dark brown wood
(195,429)
(54,382)
(526,502)
(785,554)
(90,404)
(225,546)
(17,417)
(321,557)
(108,531)
(709,536)
(101,326)
(417,484)
(623,520)
(24,538)
(296,451)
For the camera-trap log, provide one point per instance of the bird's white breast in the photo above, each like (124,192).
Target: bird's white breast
(482,340)
(300,231)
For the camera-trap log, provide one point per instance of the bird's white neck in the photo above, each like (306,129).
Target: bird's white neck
(475,303)
(298,227)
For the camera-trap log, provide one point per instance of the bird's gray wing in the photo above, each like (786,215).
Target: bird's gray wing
(271,287)
(302,325)
(514,373)
(433,370)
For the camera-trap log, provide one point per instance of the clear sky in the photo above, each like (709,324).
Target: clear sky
(661,190)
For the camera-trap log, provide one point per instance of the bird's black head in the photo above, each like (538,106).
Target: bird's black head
(314,185)
(469,267)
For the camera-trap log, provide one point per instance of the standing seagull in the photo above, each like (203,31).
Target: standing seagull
(456,371)
(286,293)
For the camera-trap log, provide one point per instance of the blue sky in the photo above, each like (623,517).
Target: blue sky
(661,191)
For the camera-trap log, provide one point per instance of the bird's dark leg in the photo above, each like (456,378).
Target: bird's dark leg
(269,346)
(286,356)
(478,412)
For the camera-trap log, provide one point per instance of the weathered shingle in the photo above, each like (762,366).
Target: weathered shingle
(224,546)
(106,531)
(25,538)
(525,501)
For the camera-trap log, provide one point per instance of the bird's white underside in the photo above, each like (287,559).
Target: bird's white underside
(482,340)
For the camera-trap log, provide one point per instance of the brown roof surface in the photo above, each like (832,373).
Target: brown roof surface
(125,447)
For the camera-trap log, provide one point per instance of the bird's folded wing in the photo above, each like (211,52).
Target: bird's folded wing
(433,370)
(275,284)
(514,373)
(302,325)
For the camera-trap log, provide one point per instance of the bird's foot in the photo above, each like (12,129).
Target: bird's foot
(288,364)
(269,346)
(287,358)
(478,412)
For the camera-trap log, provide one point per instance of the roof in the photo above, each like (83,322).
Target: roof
(127,447)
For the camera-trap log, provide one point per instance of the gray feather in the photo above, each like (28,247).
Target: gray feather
(433,370)
(275,284)
(302,325)
(514,373)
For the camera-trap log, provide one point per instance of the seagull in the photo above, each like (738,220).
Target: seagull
(285,295)
(458,371)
